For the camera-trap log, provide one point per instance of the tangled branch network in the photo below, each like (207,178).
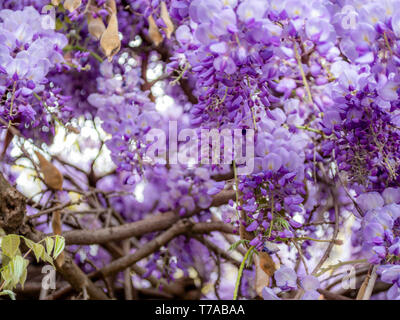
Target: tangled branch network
(200,149)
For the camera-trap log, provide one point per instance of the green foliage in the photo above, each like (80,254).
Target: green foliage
(14,265)
(241,268)
(37,248)
(237,244)
(249,261)
(49,245)
(58,246)
(282,223)
(10,245)
(14,272)
(9,293)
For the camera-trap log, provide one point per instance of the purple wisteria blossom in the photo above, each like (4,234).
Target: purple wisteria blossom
(315,84)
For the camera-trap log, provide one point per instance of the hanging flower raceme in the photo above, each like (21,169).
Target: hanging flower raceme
(28,53)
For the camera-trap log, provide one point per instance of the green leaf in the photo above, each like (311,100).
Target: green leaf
(58,246)
(37,248)
(249,261)
(15,272)
(22,279)
(9,293)
(59,25)
(4,260)
(282,223)
(7,276)
(47,258)
(10,245)
(49,245)
(29,243)
(19,265)
(237,244)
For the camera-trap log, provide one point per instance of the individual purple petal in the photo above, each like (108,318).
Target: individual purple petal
(391,195)
(269,294)
(390,274)
(219,47)
(252,10)
(225,22)
(311,295)
(369,201)
(272,162)
(389,91)
(183,34)
(394,292)
(286,278)
(252,226)
(225,64)
(188,203)
(310,283)
(286,85)
(395,248)
(373,230)
(217,188)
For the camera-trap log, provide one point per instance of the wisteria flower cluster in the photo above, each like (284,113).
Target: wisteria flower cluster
(29,52)
(312,88)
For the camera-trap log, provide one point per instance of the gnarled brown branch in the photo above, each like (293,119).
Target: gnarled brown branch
(139,228)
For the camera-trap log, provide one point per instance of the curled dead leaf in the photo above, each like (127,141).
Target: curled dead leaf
(167,20)
(96,26)
(55,2)
(154,33)
(110,42)
(363,288)
(52,177)
(267,264)
(112,7)
(72,5)
(262,279)
(56,223)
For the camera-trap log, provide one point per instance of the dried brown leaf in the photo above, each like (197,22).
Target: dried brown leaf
(363,288)
(72,5)
(167,20)
(262,279)
(96,26)
(110,42)
(112,6)
(56,223)
(267,264)
(154,33)
(52,177)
